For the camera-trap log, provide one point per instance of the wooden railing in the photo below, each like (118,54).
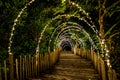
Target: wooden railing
(26,67)
(105,72)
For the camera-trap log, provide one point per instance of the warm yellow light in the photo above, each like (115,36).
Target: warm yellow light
(63,1)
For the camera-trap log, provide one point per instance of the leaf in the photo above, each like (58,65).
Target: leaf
(1,3)
(109,31)
(7,5)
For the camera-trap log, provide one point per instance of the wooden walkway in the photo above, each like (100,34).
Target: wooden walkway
(70,67)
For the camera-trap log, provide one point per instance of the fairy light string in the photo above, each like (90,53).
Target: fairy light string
(15,23)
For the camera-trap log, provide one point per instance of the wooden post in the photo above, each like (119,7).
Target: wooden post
(21,68)
(96,55)
(17,75)
(48,60)
(80,52)
(36,64)
(29,65)
(11,66)
(0,73)
(99,66)
(110,74)
(88,54)
(5,70)
(25,67)
(53,58)
(40,62)
(32,67)
(95,60)
(45,62)
(114,75)
(103,71)
(106,69)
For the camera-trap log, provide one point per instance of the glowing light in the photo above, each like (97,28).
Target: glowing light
(106,54)
(108,62)
(103,41)
(13,26)
(8,47)
(10,41)
(10,53)
(87,14)
(11,34)
(77,5)
(107,51)
(15,22)
(78,26)
(73,3)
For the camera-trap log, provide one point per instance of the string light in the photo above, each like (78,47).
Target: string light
(15,22)
(77,29)
(80,9)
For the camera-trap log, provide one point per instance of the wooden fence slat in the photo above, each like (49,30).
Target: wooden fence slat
(17,75)
(11,62)
(99,66)
(110,74)
(45,60)
(30,65)
(114,75)
(95,60)
(36,63)
(48,60)
(23,68)
(25,63)
(5,69)
(103,70)
(40,62)
(21,71)
(0,73)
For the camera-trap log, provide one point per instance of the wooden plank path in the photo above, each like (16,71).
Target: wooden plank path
(70,67)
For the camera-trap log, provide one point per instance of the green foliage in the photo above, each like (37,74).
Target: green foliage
(41,12)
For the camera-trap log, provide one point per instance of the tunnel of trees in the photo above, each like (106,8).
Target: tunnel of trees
(48,24)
